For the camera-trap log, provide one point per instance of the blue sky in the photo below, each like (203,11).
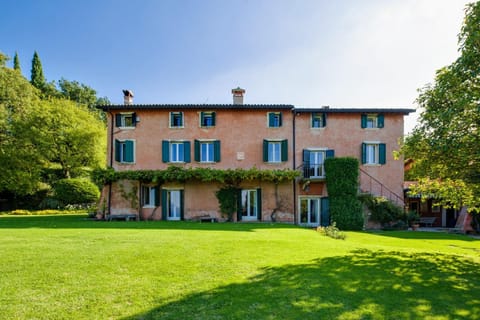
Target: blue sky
(344,53)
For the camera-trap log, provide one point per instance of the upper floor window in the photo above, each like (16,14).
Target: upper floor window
(207,151)
(126,120)
(373,153)
(207,119)
(275,151)
(319,120)
(176,119)
(274,119)
(313,162)
(371,121)
(125,151)
(175,151)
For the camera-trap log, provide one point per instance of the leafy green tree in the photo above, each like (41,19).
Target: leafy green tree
(69,135)
(37,78)
(20,162)
(16,63)
(446,143)
(3,59)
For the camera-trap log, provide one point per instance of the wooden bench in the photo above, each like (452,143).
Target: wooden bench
(427,221)
(125,217)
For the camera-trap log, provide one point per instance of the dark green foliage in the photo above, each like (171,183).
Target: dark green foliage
(227,198)
(37,78)
(16,63)
(179,174)
(76,191)
(382,210)
(346,211)
(342,176)
(342,185)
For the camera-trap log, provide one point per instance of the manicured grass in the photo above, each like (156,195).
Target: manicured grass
(65,267)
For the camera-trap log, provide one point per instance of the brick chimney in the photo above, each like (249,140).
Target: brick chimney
(127,97)
(238,95)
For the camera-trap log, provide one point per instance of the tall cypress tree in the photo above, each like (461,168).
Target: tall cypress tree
(16,63)
(37,79)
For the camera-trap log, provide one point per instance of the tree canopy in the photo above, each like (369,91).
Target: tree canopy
(37,134)
(446,143)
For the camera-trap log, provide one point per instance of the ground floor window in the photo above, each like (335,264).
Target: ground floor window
(313,211)
(150,196)
(249,206)
(172,204)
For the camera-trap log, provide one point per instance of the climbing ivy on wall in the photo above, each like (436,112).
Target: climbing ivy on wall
(342,186)
(179,174)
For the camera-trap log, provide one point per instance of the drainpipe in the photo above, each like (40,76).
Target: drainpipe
(294,166)
(110,164)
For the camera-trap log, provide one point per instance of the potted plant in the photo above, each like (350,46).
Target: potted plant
(413,219)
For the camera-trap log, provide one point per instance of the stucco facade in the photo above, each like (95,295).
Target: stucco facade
(155,137)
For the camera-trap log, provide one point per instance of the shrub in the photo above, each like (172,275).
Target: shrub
(332,231)
(227,198)
(342,185)
(76,191)
(382,210)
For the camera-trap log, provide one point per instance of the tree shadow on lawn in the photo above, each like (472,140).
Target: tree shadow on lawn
(430,235)
(81,222)
(362,285)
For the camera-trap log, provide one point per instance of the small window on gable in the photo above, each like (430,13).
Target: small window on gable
(274,119)
(372,121)
(126,120)
(319,120)
(207,119)
(176,119)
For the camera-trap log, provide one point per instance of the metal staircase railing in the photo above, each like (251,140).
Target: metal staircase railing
(377,188)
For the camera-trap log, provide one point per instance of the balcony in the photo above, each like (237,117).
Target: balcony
(313,171)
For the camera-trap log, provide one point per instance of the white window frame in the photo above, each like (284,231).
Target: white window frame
(209,114)
(179,151)
(169,200)
(274,151)
(372,151)
(122,151)
(206,157)
(313,117)
(321,165)
(248,194)
(372,121)
(318,201)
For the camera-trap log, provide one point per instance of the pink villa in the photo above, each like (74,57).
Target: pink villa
(245,136)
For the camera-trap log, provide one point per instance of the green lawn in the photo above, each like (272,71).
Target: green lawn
(64,267)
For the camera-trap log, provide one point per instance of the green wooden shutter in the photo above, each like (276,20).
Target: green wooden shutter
(380,121)
(324,119)
(239,205)
(382,153)
(172,124)
(364,153)
(134,119)
(325,212)
(202,119)
(157,196)
(164,204)
(271,119)
(259,204)
(186,151)
(284,150)
(216,151)
(364,121)
(265,150)
(280,119)
(330,153)
(196,150)
(118,145)
(182,205)
(165,151)
(213,119)
(129,155)
(118,120)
